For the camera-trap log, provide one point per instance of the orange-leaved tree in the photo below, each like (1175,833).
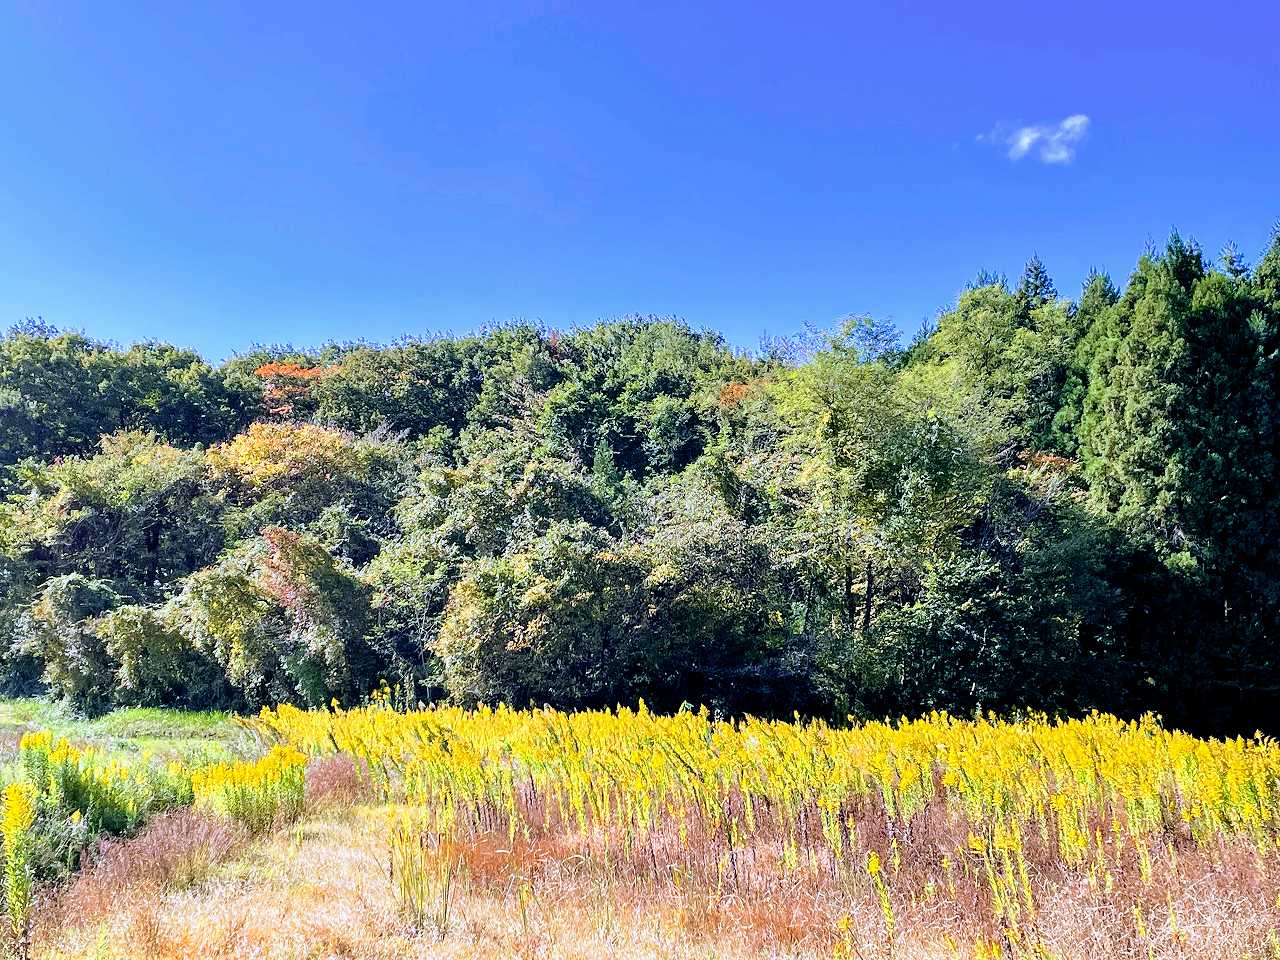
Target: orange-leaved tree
(288,386)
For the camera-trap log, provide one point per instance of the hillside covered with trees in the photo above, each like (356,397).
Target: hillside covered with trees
(1042,502)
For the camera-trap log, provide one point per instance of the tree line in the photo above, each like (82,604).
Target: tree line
(1038,503)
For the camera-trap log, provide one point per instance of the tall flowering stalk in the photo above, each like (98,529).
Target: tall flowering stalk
(17,814)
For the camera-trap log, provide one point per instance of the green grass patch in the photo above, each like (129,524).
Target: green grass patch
(159,723)
(182,734)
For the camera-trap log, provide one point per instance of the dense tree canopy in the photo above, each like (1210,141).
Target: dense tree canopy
(1041,503)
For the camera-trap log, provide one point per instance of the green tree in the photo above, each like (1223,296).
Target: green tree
(1093,320)
(1166,424)
(1172,453)
(137,513)
(60,635)
(566,620)
(1035,289)
(285,619)
(646,386)
(999,363)
(153,663)
(60,392)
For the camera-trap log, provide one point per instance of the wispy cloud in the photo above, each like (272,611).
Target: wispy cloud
(1052,143)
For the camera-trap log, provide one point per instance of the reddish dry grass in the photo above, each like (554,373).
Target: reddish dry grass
(336,781)
(174,851)
(321,889)
(1219,900)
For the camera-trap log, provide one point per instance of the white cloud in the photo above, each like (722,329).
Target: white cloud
(1054,143)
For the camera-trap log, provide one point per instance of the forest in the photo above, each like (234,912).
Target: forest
(1040,503)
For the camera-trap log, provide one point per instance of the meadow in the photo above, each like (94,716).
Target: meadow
(443,832)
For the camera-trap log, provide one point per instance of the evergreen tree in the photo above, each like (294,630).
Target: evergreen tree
(1034,290)
(1172,453)
(1169,438)
(1099,296)
(1232,262)
(1266,276)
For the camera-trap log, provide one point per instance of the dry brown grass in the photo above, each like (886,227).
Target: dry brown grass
(176,851)
(335,781)
(320,889)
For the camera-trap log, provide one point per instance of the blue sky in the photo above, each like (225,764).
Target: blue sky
(222,174)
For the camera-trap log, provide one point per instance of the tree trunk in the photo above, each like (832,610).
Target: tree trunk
(866,603)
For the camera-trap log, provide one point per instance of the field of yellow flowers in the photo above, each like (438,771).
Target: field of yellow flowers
(495,832)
